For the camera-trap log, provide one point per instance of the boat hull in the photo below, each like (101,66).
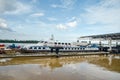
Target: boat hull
(38,51)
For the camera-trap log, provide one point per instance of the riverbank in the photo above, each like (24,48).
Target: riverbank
(48,54)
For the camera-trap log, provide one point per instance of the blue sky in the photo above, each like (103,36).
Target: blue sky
(65,19)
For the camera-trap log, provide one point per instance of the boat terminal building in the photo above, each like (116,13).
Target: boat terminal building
(112,37)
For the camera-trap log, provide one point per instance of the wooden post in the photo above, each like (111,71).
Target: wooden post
(100,45)
(57,52)
(110,44)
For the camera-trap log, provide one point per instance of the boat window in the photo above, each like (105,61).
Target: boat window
(55,43)
(39,48)
(66,48)
(30,48)
(35,47)
(72,48)
(43,47)
(65,43)
(42,41)
(75,48)
(46,42)
(62,43)
(69,44)
(69,48)
(59,43)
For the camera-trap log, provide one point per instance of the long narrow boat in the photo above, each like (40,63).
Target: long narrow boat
(52,45)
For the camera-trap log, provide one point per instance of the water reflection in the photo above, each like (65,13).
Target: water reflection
(63,68)
(110,59)
(5,60)
(110,62)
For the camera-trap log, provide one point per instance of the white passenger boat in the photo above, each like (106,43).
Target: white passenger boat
(51,46)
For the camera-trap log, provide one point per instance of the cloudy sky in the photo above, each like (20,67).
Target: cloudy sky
(65,19)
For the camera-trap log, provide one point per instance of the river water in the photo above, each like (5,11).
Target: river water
(63,68)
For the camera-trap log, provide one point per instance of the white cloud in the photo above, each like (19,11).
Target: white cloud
(72,19)
(13,7)
(66,4)
(61,26)
(105,13)
(4,25)
(37,14)
(54,5)
(70,24)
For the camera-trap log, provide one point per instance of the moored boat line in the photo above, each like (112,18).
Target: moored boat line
(55,46)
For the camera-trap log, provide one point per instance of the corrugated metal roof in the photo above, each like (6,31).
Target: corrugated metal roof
(113,36)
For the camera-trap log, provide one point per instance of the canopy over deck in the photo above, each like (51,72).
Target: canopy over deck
(112,36)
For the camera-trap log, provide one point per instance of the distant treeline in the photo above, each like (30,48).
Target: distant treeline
(18,41)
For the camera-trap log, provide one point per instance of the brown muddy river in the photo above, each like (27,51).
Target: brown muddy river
(63,68)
